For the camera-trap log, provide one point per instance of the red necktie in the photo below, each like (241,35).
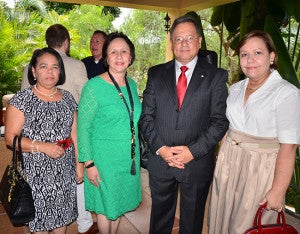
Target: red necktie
(181,85)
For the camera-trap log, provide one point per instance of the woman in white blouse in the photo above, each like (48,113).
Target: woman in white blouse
(256,160)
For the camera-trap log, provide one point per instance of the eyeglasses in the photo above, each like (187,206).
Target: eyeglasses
(189,39)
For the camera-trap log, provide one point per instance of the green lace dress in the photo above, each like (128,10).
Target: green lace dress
(104,136)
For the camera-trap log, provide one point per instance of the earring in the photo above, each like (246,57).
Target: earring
(271,62)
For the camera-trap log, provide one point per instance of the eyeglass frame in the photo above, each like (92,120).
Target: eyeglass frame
(189,39)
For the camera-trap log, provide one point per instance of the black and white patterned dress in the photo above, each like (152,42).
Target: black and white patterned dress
(52,181)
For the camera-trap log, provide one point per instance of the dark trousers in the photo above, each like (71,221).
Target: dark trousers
(164,194)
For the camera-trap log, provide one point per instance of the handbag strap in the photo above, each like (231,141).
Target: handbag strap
(14,149)
(258,216)
(17,157)
(20,153)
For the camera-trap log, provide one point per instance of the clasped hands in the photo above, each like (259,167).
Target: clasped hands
(176,156)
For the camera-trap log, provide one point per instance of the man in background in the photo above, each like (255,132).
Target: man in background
(94,64)
(58,38)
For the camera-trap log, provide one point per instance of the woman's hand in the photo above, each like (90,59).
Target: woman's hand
(275,200)
(93,176)
(51,149)
(284,168)
(79,172)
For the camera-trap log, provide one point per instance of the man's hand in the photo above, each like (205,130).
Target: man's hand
(176,156)
(181,156)
(165,153)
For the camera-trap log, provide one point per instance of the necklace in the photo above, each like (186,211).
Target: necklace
(130,113)
(51,95)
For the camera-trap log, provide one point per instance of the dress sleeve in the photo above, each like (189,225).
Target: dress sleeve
(288,116)
(20,99)
(72,102)
(87,109)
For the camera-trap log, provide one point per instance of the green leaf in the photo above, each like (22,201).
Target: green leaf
(285,65)
(232,16)
(198,19)
(297,10)
(217,16)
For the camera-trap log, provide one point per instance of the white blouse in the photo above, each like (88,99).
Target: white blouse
(273,110)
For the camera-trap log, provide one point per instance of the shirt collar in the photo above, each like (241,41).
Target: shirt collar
(191,65)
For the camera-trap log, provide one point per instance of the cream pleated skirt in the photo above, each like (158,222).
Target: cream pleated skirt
(243,175)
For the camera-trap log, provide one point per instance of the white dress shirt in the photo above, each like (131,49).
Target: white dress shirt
(191,65)
(273,110)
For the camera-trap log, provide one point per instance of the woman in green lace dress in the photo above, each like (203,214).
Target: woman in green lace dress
(109,110)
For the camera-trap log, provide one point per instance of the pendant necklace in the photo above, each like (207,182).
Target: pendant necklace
(51,95)
(130,110)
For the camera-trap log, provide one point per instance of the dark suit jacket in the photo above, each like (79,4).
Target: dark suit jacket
(200,123)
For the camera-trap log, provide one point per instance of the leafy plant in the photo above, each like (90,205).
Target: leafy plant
(261,15)
(145,30)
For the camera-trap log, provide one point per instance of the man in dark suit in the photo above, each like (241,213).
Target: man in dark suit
(95,64)
(182,134)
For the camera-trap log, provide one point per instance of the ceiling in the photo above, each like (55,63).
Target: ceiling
(175,6)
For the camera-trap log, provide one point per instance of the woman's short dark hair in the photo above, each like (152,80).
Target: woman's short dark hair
(266,38)
(110,38)
(34,60)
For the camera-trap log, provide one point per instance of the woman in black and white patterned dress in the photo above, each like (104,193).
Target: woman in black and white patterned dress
(45,115)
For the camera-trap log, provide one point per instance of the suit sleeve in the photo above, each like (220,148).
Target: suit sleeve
(81,79)
(25,83)
(218,123)
(147,120)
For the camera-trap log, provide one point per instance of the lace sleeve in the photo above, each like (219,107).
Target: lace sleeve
(87,110)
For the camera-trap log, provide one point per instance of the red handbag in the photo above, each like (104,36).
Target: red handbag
(280,227)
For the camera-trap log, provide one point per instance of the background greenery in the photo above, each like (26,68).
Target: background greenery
(23,27)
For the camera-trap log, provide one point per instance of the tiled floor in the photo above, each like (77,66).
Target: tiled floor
(135,222)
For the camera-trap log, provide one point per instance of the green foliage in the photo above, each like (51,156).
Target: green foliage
(271,16)
(114,11)
(82,21)
(146,30)
(8,57)
(28,6)
(285,66)
(60,7)
(219,40)
(230,14)
(198,19)
(22,30)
